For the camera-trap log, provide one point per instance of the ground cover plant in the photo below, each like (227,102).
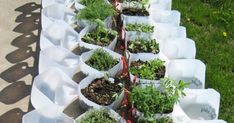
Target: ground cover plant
(152,70)
(101,60)
(140,28)
(210,24)
(143,46)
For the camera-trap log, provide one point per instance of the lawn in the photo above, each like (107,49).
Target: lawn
(210,23)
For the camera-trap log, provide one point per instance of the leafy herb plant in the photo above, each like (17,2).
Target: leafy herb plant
(100,36)
(140,28)
(97,116)
(101,60)
(97,12)
(143,46)
(150,101)
(152,70)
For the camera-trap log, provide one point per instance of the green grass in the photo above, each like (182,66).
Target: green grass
(207,21)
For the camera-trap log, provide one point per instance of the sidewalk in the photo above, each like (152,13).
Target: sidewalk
(19,24)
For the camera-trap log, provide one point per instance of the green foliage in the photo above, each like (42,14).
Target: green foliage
(150,101)
(143,46)
(164,119)
(96,12)
(148,69)
(97,116)
(101,60)
(143,2)
(140,28)
(88,2)
(101,36)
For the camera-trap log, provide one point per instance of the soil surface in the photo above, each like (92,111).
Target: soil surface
(101,91)
(135,12)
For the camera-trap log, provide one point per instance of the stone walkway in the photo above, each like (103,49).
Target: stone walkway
(19,28)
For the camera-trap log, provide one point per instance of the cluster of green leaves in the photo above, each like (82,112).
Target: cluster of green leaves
(101,36)
(97,116)
(96,12)
(148,69)
(141,45)
(101,60)
(140,28)
(149,100)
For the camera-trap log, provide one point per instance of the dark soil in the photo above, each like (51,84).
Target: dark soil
(79,50)
(135,12)
(159,73)
(101,91)
(78,77)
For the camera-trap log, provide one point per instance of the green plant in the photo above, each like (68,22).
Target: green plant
(152,70)
(140,28)
(150,101)
(101,60)
(143,2)
(88,2)
(97,116)
(101,36)
(96,12)
(141,45)
(164,119)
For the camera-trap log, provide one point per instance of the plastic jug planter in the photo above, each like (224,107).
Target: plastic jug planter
(178,48)
(88,29)
(46,3)
(131,35)
(198,104)
(106,115)
(153,103)
(147,58)
(188,70)
(165,16)
(59,34)
(117,68)
(164,31)
(99,86)
(55,12)
(57,57)
(53,87)
(46,115)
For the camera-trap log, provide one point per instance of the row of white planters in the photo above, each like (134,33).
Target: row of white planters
(53,89)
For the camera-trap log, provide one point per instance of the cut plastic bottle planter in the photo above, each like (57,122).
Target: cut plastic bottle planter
(188,70)
(198,104)
(178,48)
(59,34)
(53,87)
(55,12)
(46,3)
(148,57)
(92,71)
(86,103)
(57,57)
(46,115)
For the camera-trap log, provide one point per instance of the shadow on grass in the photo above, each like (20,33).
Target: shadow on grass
(29,21)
